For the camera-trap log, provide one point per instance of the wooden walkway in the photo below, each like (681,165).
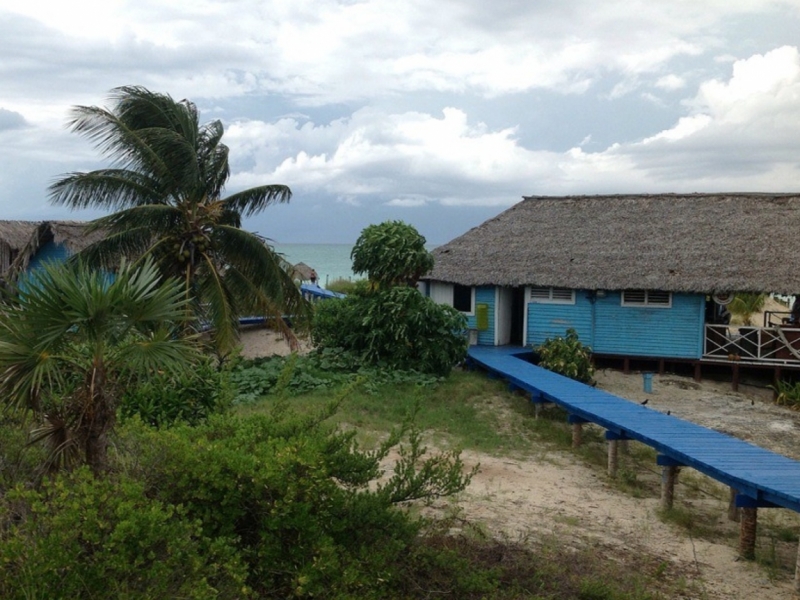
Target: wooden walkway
(761,478)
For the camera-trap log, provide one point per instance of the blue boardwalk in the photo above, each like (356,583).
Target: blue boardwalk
(762,478)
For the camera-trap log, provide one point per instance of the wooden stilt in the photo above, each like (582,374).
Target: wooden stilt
(537,408)
(626,365)
(747,532)
(577,434)
(733,510)
(735,378)
(698,375)
(661,370)
(669,475)
(613,457)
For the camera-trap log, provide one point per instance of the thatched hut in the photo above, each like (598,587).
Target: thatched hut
(25,244)
(302,272)
(634,275)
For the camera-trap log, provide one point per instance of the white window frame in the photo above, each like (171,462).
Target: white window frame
(554,295)
(444,293)
(471,300)
(647,302)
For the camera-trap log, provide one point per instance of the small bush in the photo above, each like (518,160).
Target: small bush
(190,397)
(83,537)
(395,328)
(787,394)
(567,356)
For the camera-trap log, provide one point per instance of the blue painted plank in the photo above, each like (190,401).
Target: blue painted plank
(757,473)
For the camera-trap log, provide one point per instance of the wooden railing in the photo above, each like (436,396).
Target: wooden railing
(778,344)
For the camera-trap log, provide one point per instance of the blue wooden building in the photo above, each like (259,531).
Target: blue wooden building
(639,277)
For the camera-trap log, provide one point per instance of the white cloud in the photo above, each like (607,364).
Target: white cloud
(670,82)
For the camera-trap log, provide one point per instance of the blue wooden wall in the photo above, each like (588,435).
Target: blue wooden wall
(484,294)
(552,320)
(49,253)
(675,332)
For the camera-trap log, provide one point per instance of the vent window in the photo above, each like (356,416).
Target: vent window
(652,298)
(545,295)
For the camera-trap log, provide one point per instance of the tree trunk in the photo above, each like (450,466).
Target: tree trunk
(99,418)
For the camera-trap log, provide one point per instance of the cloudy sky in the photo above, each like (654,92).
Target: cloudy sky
(441,113)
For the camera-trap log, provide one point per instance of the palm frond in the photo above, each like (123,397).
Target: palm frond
(254,200)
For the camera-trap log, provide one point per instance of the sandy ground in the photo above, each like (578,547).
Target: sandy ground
(554,492)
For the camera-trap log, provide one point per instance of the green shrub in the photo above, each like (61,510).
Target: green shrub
(395,328)
(83,537)
(190,397)
(295,493)
(347,286)
(787,393)
(567,356)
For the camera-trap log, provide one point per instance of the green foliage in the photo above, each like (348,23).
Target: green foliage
(787,393)
(391,253)
(190,397)
(395,328)
(70,341)
(567,356)
(295,495)
(319,370)
(346,286)
(165,190)
(744,305)
(82,537)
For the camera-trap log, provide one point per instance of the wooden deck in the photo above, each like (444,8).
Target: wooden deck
(761,478)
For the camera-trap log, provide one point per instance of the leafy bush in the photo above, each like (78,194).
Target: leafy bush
(321,369)
(787,393)
(295,495)
(396,328)
(391,253)
(567,356)
(190,397)
(347,286)
(84,537)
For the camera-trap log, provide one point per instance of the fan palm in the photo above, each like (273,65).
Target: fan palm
(166,184)
(70,337)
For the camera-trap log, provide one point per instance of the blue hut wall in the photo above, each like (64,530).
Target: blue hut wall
(48,253)
(552,320)
(675,332)
(484,294)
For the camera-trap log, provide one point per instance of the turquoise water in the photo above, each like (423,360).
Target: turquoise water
(330,261)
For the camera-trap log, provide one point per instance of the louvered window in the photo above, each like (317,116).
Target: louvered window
(547,295)
(651,298)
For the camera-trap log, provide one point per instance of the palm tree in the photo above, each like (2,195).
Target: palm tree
(70,337)
(166,185)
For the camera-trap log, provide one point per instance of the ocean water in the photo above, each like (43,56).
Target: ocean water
(330,261)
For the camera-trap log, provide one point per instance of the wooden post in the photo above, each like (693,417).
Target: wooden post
(747,532)
(577,434)
(537,408)
(626,365)
(661,369)
(698,375)
(735,378)
(613,457)
(733,510)
(577,429)
(669,475)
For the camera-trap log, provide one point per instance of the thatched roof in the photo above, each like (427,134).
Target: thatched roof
(672,242)
(303,272)
(26,237)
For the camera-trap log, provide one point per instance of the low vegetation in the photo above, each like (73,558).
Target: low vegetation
(567,356)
